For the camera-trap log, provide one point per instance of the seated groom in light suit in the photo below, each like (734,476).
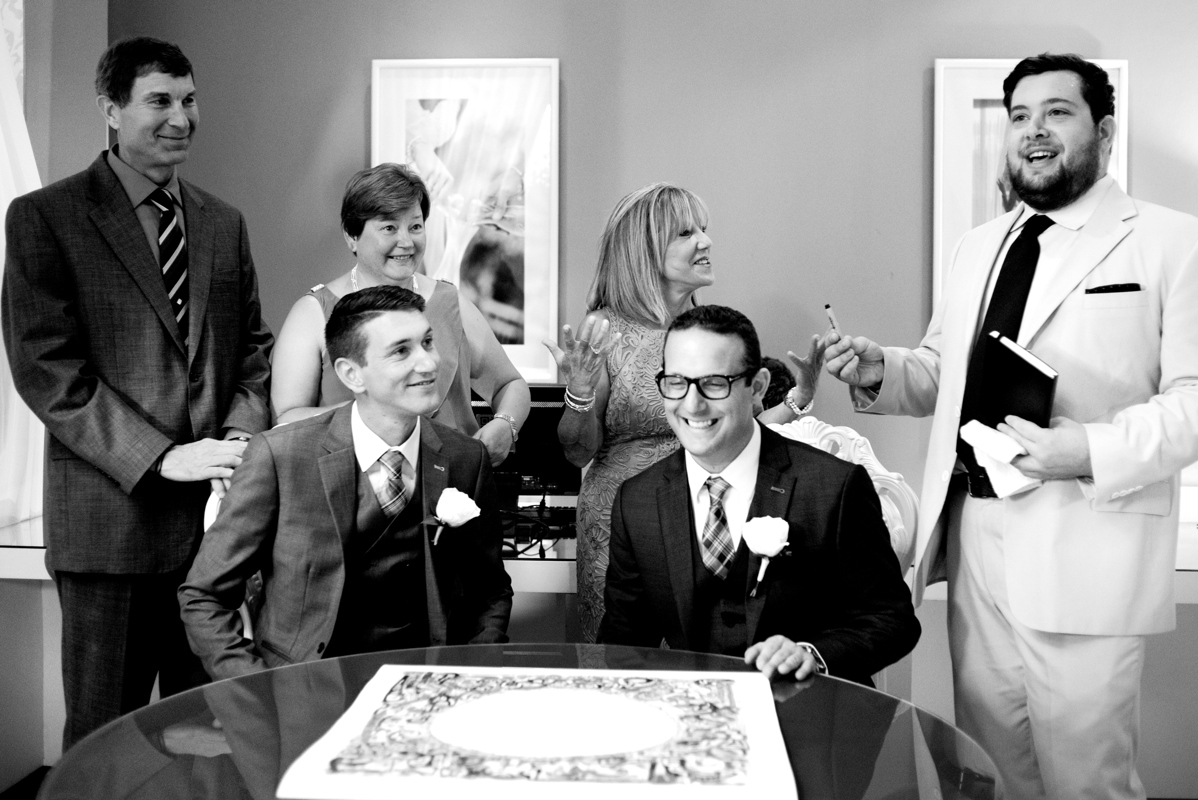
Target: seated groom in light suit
(831,600)
(330,509)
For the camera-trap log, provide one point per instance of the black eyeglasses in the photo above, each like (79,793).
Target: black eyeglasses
(713,387)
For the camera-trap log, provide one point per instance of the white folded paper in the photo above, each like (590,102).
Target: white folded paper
(995,451)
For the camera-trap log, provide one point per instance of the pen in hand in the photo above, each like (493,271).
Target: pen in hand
(832,317)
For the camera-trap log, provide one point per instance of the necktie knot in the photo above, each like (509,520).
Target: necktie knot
(392,461)
(1036,226)
(717,487)
(393,497)
(163,200)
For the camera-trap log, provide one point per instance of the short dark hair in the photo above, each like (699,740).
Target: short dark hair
(724,321)
(343,332)
(383,191)
(781,380)
(1096,84)
(129,59)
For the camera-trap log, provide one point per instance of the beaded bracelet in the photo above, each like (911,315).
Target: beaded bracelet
(794,407)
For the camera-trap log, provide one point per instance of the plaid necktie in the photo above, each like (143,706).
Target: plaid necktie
(393,497)
(717,539)
(172,256)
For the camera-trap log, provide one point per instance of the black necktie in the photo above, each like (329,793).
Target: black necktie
(1004,314)
(172,256)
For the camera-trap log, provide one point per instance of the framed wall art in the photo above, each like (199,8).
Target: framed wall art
(483,134)
(969,184)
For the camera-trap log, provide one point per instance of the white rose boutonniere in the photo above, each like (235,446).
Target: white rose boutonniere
(765,536)
(454,508)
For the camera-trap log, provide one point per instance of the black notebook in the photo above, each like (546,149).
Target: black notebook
(1014,382)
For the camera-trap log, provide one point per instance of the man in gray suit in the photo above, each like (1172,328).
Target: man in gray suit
(334,510)
(132,324)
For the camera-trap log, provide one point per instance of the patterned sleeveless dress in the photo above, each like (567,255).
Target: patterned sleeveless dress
(636,436)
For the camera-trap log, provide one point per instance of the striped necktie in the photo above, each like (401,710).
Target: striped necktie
(717,539)
(393,497)
(172,256)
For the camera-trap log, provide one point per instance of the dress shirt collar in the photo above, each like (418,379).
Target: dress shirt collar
(138,186)
(368,446)
(741,474)
(1077,213)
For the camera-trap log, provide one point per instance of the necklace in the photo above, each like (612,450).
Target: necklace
(353,280)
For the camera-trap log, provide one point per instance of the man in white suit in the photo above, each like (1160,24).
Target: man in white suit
(1052,590)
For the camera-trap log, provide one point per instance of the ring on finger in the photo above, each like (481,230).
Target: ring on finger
(594,349)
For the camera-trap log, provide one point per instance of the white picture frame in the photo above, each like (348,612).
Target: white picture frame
(484,135)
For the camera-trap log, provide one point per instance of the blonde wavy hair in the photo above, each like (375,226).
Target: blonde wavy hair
(630,276)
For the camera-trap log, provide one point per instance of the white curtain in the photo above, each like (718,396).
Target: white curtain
(21,434)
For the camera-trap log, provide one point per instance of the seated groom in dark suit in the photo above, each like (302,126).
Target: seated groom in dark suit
(331,510)
(831,597)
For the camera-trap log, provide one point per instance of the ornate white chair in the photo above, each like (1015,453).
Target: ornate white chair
(899,501)
(900,504)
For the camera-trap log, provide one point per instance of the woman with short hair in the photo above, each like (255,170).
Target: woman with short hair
(382,218)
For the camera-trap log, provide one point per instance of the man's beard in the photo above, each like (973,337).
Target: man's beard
(1070,182)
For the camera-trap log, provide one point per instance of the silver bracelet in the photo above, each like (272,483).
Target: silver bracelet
(794,407)
(580,404)
(511,421)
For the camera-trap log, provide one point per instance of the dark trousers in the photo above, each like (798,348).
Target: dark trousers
(119,633)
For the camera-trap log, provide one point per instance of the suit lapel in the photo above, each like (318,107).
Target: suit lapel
(201,237)
(979,280)
(114,217)
(675,515)
(339,473)
(772,498)
(434,478)
(1105,229)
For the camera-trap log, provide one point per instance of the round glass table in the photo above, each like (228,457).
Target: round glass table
(236,738)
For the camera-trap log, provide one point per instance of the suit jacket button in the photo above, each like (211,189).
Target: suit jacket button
(320,647)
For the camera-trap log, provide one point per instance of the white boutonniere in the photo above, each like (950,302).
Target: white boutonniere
(454,508)
(765,536)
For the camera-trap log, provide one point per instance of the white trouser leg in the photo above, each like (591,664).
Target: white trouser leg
(1058,713)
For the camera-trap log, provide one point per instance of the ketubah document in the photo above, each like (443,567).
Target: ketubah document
(436,731)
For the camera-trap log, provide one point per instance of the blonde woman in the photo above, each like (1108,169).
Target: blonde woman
(654,255)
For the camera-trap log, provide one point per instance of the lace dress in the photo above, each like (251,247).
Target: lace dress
(636,436)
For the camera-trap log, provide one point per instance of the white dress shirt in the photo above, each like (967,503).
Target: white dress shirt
(741,475)
(368,447)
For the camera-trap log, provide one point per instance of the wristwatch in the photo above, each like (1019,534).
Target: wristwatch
(511,421)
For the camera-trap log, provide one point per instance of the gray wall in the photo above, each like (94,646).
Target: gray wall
(793,119)
(805,126)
